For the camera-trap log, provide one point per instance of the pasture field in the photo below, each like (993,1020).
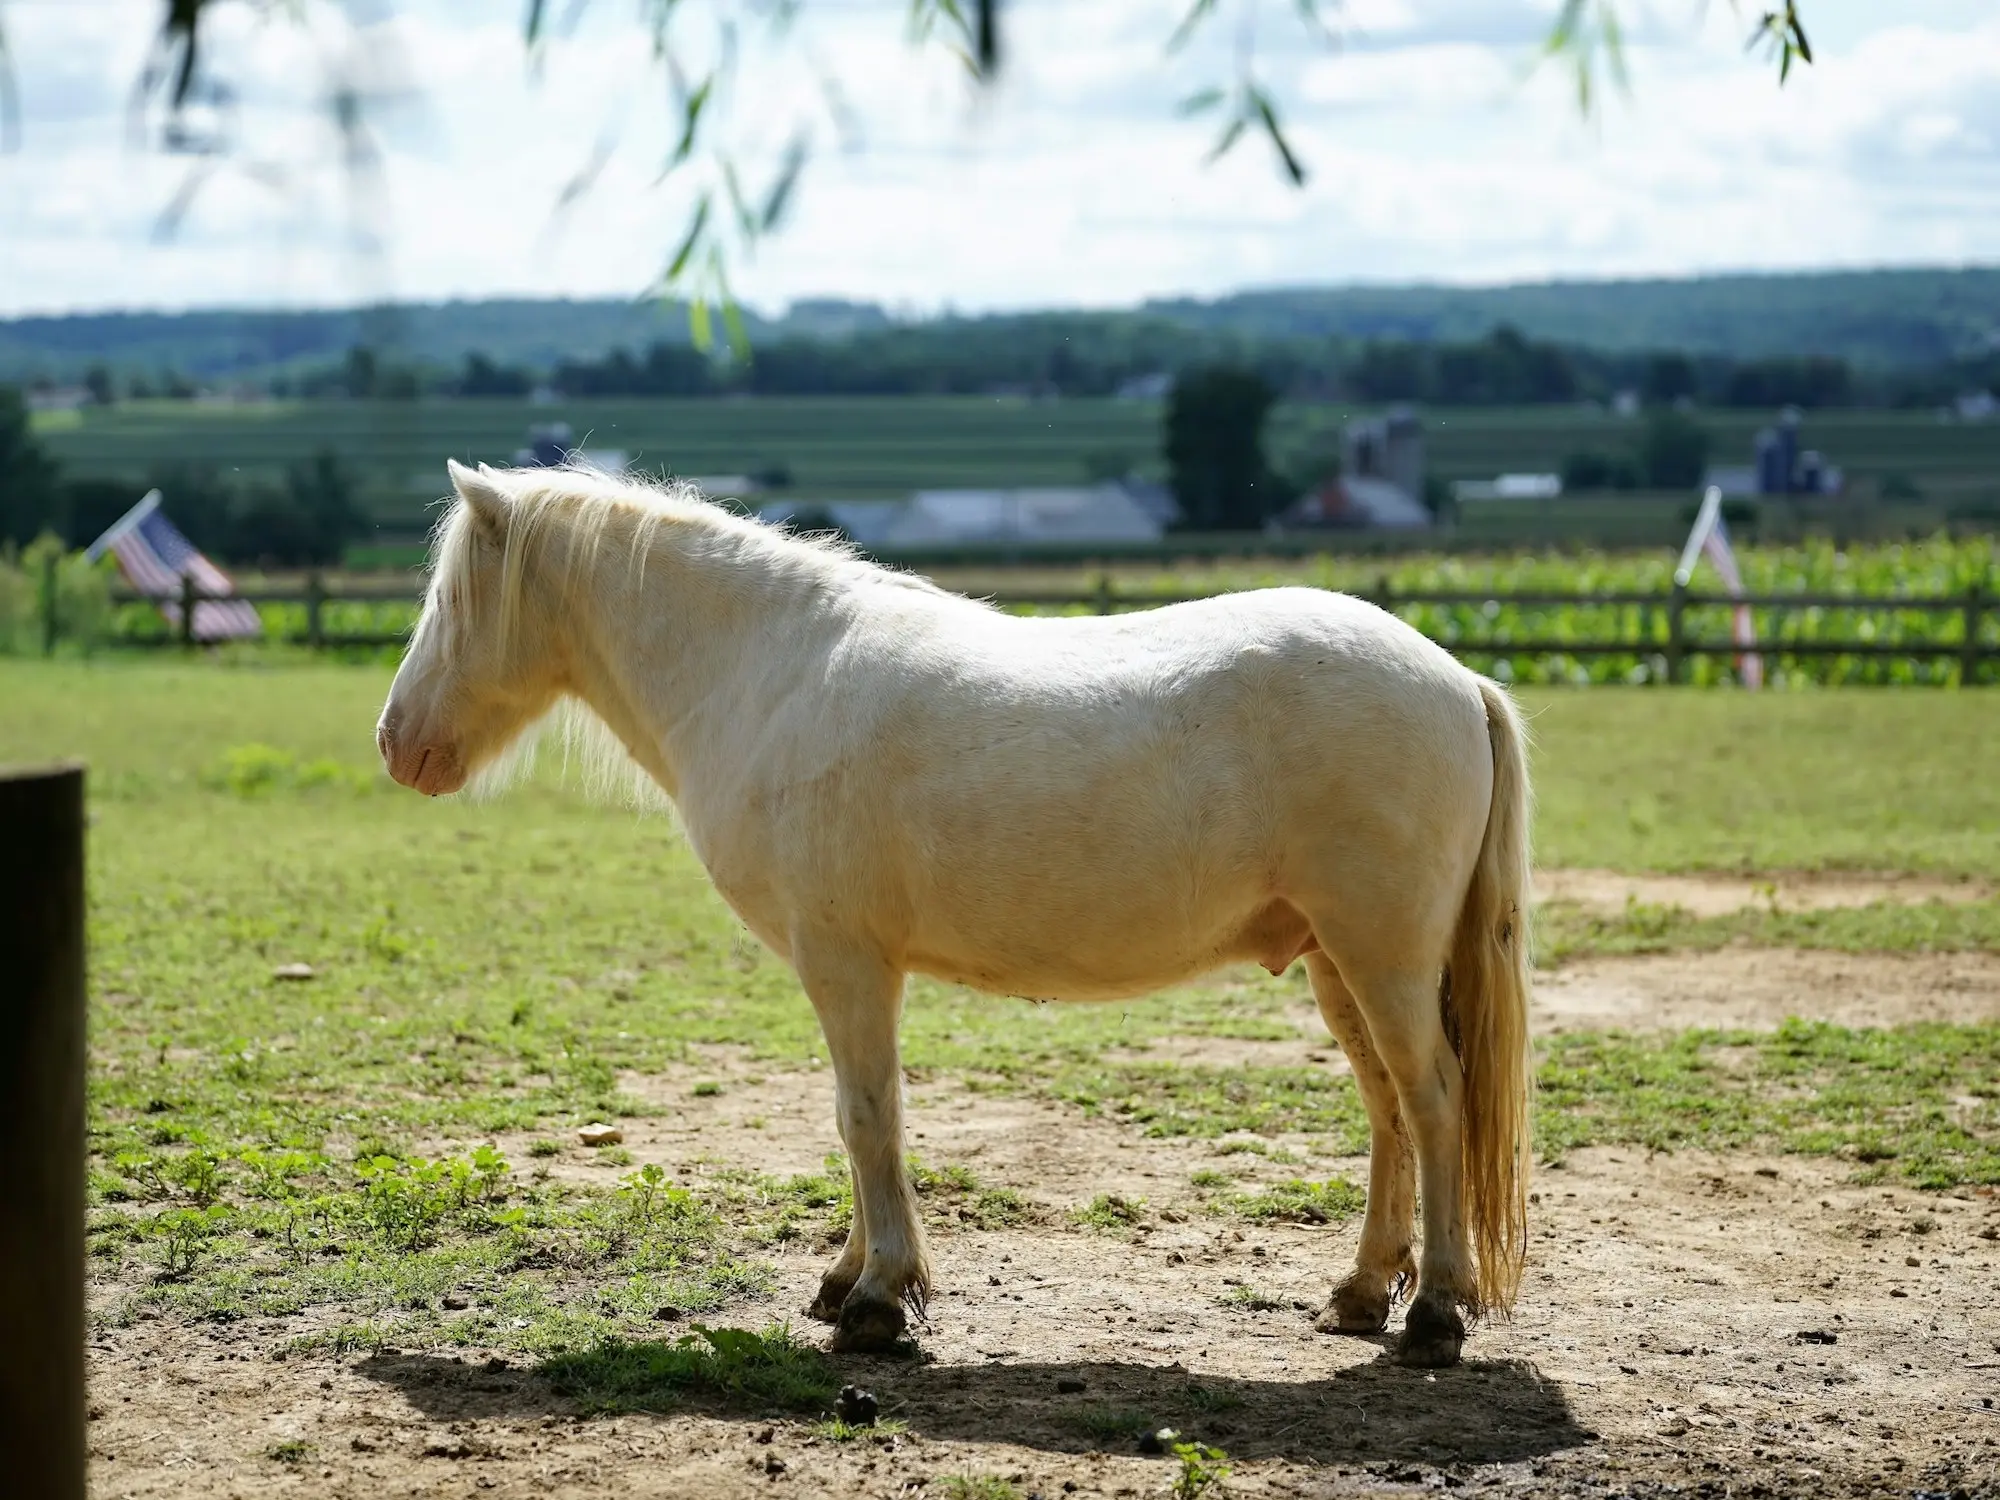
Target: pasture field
(883,447)
(345,1242)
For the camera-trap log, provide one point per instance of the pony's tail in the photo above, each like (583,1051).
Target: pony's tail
(1489,978)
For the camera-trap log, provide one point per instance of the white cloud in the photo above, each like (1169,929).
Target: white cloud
(1436,152)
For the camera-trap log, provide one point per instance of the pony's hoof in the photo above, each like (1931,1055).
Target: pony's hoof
(832,1297)
(1433,1334)
(1353,1310)
(869,1328)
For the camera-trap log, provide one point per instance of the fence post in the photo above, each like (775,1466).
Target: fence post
(1968,660)
(1675,606)
(1385,593)
(315,596)
(50,566)
(41,1133)
(1104,593)
(190,595)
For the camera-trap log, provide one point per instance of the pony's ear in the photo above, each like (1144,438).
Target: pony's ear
(483,494)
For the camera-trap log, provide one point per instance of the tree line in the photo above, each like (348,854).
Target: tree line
(1103,354)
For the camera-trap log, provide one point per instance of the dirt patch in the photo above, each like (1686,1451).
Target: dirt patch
(1608,891)
(1757,988)
(1734,1321)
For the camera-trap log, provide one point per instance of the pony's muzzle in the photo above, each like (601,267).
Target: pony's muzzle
(433,770)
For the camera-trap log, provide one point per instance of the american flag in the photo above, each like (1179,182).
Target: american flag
(154,557)
(1710,539)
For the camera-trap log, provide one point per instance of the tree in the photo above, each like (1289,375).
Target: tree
(28,494)
(98,383)
(1215,449)
(1670,377)
(1673,451)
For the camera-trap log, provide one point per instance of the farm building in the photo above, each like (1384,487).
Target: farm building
(1103,513)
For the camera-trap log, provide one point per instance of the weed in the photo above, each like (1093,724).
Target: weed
(291,1452)
(1249,1299)
(834,1430)
(1111,1421)
(749,1370)
(184,1233)
(1298,1201)
(979,1487)
(1202,1469)
(1208,1177)
(545,1147)
(708,1088)
(1109,1211)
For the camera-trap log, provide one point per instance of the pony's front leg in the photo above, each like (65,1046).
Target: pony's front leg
(840,1278)
(859,998)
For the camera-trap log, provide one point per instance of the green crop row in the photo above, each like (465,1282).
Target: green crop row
(1490,635)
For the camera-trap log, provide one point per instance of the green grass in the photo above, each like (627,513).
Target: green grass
(1566,931)
(1918,1103)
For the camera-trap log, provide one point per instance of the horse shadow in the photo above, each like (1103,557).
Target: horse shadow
(1477,1413)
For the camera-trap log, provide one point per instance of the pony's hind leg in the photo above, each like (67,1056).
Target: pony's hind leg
(1406,1023)
(859,1000)
(1360,1303)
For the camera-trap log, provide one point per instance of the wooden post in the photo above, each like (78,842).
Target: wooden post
(1385,592)
(1104,593)
(315,597)
(51,575)
(1675,605)
(41,1133)
(190,596)
(1968,659)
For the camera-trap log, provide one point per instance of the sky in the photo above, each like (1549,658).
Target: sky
(1437,150)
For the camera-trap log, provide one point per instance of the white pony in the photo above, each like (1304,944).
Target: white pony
(883,778)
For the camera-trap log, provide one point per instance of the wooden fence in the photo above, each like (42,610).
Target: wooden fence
(1673,646)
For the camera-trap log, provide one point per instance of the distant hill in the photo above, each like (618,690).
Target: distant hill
(1879,318)
(1883,319)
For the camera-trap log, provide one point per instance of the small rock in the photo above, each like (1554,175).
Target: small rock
(361,1445)
(1674,1427)
(1159,1441)
(667,1314)
(495,1365)
(1175,1258)
(455,1303)
(1817,1336)
(292,971)
(1911,1260)
(857,1408)
(1627,1370)
(773,1465)
(600,1135)
(993,1281)
(1896,1291)
(1069,1387)
(765,1435)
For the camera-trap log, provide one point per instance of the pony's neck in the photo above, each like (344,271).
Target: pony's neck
(672,621)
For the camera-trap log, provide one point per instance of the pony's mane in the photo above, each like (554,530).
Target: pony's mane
(595,514)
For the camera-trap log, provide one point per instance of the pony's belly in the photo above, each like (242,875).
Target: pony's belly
(1117,964)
